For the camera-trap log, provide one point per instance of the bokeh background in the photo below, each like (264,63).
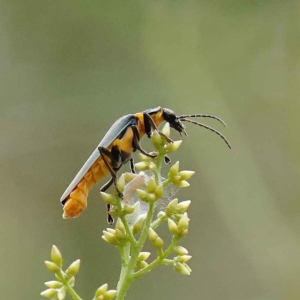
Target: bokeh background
(69,69)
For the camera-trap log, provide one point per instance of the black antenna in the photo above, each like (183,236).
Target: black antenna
(182,118)
(203,116)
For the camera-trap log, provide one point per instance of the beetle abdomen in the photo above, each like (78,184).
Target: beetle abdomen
(76,202)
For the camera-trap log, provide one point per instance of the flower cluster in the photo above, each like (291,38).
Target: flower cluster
(65,280)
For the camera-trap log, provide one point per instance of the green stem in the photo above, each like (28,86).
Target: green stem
(159,259)
(67,286)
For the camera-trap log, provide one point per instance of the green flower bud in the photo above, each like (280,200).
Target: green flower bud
(183,223)
(143,256)
(174,170)
(172,207)
(183,206)
(121,183)
(151,185)
(109,294)
(189,269)
(101,290)
(111,230)
(142,166)
(161,214)
(173,227)
(56,256)
(137,227)
(51,266)
(172,147)
(110,238)
(129,176)
(182,184)
(50,293)
(114,211)
(181,268)
(166,130)
(152,166)
(53,284)
(159,191)
(159,243)
(73,268)
(144,157)
(128,209)
(179,250)
(183,258)
(72,281)
(152,236)
(120,225)
(141,265)
(120,236)
(184,233)
(142,194)
(108,198)
(157,140)
(184,175)
(61,294)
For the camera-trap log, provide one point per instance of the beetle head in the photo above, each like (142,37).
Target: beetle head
(173,120)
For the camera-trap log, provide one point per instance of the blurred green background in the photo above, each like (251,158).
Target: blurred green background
(69,69)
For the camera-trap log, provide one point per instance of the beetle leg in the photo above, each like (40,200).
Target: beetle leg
(149,124)
(136,143)
(132,167)
(104,152)
(110,219)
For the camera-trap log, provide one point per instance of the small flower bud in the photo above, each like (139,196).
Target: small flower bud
(120,225)
(109,294)
(142,166)
(114,211)
(53,284)
(121,183)
(128,209)
(61,294)
(73,268)
(166,130)
(172,147)
(151,185)
(108,198)
(174,170)
(120,236)
(179,250)
(50,293)
(157,140)
(144,157)
(56,256)
(181,268)
(152,166)
(129,176)
(137,227)
(184,233)
(51,266)
(183,223)
(110,238)
(172,207)
(72,281)
(152,236)
(141,265)
(159,243)
(182,184)
(159,191)
(142,194)
(184,175)
(183,206)
(183,258)
(101,290)
(173,227)
(161,214)
(143,256)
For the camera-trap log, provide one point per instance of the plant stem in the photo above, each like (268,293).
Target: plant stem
(67,286)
